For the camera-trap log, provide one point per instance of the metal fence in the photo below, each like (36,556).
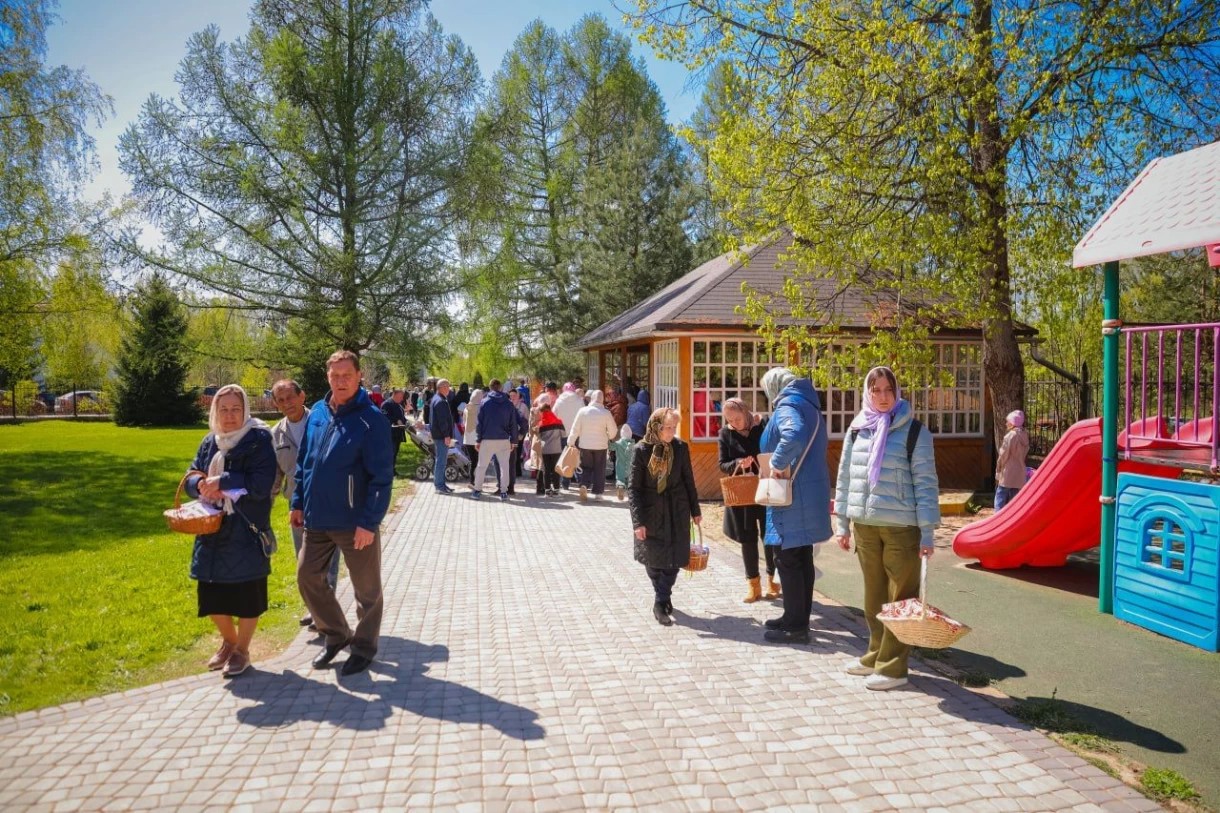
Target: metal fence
(28,400)
(1053,406)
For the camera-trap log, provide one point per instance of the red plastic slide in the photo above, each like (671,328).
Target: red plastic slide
(1055,513)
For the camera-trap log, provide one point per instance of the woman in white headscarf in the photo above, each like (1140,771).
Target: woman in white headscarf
(234,470)
(887,498)
(469,439)
(591,432)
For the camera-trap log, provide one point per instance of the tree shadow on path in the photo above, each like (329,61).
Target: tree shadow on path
(284,699)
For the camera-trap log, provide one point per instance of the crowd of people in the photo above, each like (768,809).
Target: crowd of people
(885,494)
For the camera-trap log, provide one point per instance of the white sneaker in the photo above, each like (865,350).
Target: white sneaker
(854,667)
(881,683)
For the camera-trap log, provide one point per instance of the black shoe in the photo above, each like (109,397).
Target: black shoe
(511,492)
(659,613)
(503,496)
(782,636)
(313,627)
(669,608)
(355,664)
(775,623)
(328,654)
(306,621)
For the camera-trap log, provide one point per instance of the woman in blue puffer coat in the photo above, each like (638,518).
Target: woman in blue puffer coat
(887,496)
(796,438)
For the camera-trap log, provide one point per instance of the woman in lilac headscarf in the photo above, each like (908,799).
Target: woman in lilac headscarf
(887,498)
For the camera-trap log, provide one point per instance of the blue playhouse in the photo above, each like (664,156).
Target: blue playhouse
(1160,536)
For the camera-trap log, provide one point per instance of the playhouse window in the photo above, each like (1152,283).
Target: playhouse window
(1166,546)
(665,370)
(726,369)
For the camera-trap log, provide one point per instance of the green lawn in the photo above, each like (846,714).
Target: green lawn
(95,595)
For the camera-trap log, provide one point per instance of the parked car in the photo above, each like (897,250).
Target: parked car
(82,402)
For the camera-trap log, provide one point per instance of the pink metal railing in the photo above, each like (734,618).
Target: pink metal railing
(1173,350)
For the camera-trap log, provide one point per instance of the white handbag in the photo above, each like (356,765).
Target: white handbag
(777,493)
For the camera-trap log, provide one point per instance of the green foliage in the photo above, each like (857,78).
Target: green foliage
(924,152)
(45,146)
(21,291)
(325,146)
(578,200)
(1164,783)
(153,364)
(81,327)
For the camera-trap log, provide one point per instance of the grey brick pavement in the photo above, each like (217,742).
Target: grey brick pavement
(521,669)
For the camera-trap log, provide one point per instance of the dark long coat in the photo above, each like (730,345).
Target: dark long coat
(667,516)
(734,446)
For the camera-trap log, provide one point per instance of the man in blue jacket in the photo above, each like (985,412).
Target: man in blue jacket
(496,435)
(344,475)
(443,429)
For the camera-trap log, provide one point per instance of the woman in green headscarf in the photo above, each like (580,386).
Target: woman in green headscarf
(664,502)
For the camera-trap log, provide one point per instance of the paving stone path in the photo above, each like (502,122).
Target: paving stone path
(521,669)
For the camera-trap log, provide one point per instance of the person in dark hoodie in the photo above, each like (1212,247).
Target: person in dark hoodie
(496,435)
(344,475)
(796,438)
(637,414)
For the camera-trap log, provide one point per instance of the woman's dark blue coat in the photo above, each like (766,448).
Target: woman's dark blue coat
(234,554)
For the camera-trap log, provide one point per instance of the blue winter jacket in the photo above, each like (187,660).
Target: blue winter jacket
(497,419)
(797,417)
(345,467)
(639,413)
(906,494)
(440,417)
(234,554)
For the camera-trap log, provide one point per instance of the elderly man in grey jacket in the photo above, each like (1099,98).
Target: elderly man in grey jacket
(287,437)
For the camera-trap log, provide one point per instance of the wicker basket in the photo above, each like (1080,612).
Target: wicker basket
(917,623)
(739,488)
(699,552)
(185,519)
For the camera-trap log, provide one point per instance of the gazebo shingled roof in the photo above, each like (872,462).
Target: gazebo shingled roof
(706,298)
(1173,204)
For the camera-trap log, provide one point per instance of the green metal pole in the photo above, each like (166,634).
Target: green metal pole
(1109,437)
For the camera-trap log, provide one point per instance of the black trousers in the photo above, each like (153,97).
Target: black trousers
(663,579)
(547,476)
(753,528)
(796,578)
(593,469)
(473,453)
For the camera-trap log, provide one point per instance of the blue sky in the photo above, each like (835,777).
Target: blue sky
(131,48)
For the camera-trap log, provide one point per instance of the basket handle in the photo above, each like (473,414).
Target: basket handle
(923,587)
(178,493)
(699,530)
(739,468)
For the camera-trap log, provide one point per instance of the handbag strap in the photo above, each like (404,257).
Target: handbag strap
(816,429)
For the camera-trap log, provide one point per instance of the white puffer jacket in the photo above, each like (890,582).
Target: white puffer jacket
(594,426)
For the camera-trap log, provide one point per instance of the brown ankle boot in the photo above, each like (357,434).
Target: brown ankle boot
(773,590)
(755,591)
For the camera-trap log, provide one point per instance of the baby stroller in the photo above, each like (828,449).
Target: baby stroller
(457,465)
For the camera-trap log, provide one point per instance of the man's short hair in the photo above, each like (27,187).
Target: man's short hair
(550,385)
(343,355)
(286,382)
(443,382)
(495,384)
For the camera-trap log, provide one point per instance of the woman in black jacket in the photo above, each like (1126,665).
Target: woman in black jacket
(664,502)
(746,525)
(230,566)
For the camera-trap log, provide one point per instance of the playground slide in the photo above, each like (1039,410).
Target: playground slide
(1055,513)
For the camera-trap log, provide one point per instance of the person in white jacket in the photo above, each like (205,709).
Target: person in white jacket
(469,440)
(565,408)
(592,432)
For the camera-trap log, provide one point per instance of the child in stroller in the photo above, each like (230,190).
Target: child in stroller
(457,466)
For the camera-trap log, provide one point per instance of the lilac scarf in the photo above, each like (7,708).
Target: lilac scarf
(879,423)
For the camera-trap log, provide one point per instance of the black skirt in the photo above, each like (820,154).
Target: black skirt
(243,599)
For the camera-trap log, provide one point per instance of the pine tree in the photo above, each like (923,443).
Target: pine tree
(152,362)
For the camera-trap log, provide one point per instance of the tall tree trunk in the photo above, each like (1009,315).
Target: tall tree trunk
(1002,361)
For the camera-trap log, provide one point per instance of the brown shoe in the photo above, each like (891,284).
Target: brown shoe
(238,662)
(773,590)
(755,591)
(222,656)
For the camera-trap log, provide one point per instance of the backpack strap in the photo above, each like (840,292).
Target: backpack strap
(912,437)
